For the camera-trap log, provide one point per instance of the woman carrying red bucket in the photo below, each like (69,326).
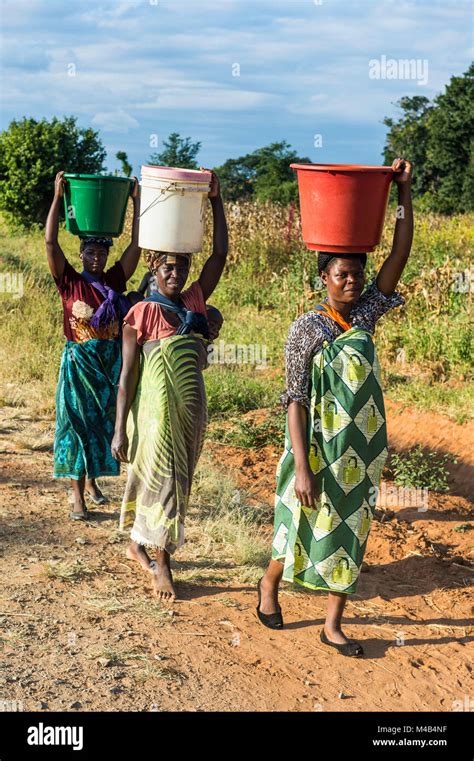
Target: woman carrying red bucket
(336,439)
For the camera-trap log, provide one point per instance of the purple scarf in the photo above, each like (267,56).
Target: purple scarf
(114,307)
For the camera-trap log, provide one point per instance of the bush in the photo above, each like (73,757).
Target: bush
(421,468)
(31,153)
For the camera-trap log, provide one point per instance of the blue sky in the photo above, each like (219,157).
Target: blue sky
(137,70)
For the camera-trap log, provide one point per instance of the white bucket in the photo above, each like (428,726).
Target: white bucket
(172,206)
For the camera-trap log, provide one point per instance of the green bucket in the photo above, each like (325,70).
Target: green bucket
(95,204)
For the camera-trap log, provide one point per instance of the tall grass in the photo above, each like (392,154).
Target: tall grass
(425,347)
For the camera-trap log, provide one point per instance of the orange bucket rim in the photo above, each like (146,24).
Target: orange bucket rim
(342,168)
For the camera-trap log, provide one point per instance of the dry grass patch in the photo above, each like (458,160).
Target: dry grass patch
(68,571)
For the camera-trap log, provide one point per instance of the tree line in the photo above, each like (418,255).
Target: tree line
(437,136)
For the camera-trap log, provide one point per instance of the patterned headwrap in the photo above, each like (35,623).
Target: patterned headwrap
(87,239)
(324,259)
(155,259)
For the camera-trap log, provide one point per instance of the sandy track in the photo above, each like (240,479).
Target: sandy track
(102,642)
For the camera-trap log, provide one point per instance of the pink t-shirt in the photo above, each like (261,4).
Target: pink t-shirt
(147,317)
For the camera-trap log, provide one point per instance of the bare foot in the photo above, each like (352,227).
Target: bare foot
(163,580)
(137,552)
(335,635)
(268,597)
(159,569)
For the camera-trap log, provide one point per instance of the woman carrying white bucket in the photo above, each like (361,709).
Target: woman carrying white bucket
(161,404)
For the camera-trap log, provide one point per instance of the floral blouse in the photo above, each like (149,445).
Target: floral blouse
(307,333)
(80,301)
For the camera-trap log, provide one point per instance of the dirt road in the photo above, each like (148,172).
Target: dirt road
(80,629)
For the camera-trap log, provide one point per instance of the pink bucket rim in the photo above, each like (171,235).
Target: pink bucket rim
(342,168)
(153,172)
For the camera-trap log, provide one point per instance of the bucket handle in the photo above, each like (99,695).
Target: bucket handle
(171,186)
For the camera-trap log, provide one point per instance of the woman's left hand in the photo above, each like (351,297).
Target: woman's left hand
(403,171)
(215,185)
(119,446)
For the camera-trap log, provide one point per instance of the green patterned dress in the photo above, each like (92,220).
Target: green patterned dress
(347,446)
(165,429)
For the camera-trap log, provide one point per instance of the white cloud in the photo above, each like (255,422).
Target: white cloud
(143,68)
(210,98)
(114,121)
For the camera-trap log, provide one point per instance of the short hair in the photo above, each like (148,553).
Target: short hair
(324,259)
(214,313)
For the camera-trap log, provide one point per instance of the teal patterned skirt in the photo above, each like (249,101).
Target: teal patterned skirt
(85,409)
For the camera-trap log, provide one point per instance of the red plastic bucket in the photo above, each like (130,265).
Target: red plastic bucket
(342,205)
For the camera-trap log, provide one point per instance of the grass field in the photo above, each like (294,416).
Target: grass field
(81,627)
(424,347)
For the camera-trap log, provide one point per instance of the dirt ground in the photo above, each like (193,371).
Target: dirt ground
(80,629)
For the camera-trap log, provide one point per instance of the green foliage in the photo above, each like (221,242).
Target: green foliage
(251,435)
(421,468)
(126,166)
(31,153)
(450,146)
(438,139)
(178,152)
(264,175)
(269,280)
(230,391)
(463,527)
(409,137)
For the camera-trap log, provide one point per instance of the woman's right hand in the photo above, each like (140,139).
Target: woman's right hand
(119,446)
(305,487)
(59,184)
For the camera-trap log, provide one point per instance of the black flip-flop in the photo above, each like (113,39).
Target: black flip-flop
(83,516)
(97,500)
(352,649)
(270,620)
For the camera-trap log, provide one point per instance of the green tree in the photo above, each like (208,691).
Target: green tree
(178,152)
(126,167)
(439,138)
(31,153)
(409,137)
(450,146)
(264,174)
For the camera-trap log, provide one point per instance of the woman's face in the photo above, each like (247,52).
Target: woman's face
(171,278)
(94,258)
(344,280)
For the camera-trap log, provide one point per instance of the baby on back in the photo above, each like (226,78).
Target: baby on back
(215,318)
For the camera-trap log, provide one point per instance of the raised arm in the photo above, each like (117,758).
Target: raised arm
(213,268)
(54,252)
(144,284)
(131,255)
(393,266)
(126,391)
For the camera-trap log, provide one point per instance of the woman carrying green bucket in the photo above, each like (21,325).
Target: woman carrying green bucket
(93,308)
(336,438)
